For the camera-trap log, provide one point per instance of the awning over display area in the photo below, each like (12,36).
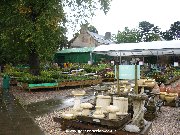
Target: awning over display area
(143,48)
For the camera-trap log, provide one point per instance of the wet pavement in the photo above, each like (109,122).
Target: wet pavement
(14,120)
(48,106)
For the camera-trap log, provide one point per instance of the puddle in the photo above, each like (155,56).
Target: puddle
(43,107)
(58,103)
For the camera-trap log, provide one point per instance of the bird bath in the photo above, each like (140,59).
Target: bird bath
(77,100)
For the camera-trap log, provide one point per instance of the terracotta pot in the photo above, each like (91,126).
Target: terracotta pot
(170,89)
(178,85)
(162,88)
(177,89)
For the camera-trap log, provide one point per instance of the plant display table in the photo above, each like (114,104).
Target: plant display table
(38,86)
(60,84)
(79,83)
(90,124)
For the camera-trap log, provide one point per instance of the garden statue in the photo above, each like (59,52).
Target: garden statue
(151,113)
(138,122)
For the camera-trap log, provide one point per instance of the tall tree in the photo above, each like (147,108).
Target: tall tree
(34,30)
(173,32)
(128,36)
(167,35)
(149,32)
(175,29)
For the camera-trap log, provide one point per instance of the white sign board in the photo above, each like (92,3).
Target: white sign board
(128,71)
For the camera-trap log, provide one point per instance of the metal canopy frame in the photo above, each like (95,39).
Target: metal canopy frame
(154,48)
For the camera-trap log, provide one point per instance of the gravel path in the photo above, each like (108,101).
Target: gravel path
(26,97)
(166,123)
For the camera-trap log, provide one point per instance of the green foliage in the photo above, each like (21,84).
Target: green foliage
(31,27)
(95,68)
(50,76)
(30,79)
(81,10)
(92,29)
(149,32)
(145,33)
(173,32)
(167,35)
(163,76)
(128,36)
(31,22)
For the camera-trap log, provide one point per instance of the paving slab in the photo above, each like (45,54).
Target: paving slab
(14,120)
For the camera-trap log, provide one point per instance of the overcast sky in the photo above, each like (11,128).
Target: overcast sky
(129,13)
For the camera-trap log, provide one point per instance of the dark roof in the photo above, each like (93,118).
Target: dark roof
(101,39)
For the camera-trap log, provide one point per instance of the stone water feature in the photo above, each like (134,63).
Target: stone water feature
(110,109)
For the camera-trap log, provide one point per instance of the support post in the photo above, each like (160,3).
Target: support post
(136,84)
(117,76)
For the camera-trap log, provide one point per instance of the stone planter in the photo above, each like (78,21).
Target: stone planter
(122,104)
(112,111)
(162,95)
(86,108)
(170,97)
(150,83)
(98,113)
(103,101)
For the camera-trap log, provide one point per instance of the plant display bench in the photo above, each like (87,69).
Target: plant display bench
(79,83)
(93,125)
(108,79)
(38,86)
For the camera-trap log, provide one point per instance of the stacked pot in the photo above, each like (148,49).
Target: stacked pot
(168,93)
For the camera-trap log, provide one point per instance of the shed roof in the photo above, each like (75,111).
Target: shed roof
(77,50)
(101,39)
(142,48)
